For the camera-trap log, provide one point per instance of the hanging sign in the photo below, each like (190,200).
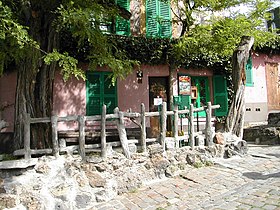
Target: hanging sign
(184,85)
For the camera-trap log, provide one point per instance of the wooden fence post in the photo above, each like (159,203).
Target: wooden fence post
(82,139)
(143,128)
(103,132)
(163,117)
(176,120)
(27,150)
(191,126)
(122,132)
(208,130)
(54,119)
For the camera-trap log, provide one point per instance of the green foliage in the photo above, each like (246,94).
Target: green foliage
(67,64)
(84,26)
(217,40)
(13,37)
(80,19)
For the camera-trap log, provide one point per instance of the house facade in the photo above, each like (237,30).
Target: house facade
(149,84)
(262,94)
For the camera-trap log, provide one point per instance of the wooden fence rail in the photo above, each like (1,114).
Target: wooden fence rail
(119,117)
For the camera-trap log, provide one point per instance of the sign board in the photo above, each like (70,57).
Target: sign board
(184,85)
(157,101)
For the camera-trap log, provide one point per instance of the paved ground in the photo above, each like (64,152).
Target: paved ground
(251,182)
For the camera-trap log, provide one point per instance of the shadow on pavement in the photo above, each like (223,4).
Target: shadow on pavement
(260,176)
(275,155)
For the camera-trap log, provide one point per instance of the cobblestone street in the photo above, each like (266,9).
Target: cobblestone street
(250,182)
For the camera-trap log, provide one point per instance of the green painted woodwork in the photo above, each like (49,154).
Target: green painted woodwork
(249,72)
(203,93)
(158,18)
(123,25)
(220,95)
(99,91)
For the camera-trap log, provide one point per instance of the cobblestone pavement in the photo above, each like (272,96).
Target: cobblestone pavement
(250,182)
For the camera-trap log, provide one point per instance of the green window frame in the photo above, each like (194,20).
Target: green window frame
(119,26)
(158,18)
(123,25)
(99,91)
(220,95)
(249,72)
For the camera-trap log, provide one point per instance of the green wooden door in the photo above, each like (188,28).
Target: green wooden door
(220,95)
(203,93)
(99,91)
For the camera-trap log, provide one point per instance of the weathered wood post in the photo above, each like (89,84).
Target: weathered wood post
(54,119)
(103,132)
(208,130)
(143,129)
(191,127)
(122,132)
(176,120)
(27,150)
(163,117)
(82,139)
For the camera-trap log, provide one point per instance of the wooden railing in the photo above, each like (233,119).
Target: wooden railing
(119,117)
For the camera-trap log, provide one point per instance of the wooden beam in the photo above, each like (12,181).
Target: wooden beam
(27,152)
(82,138)
(143,129)
(55,136)
(103,132)
(122,132)
(163,118)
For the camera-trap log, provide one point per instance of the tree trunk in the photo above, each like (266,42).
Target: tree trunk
(235,118)
(35,79)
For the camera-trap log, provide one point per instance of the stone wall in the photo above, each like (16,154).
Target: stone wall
(265,134)
(69,183)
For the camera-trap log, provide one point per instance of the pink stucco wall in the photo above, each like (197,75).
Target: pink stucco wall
(258,93)
(69,98)
(131,94)
(7,99)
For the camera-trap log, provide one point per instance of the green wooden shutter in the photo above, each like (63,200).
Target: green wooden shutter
(220,95)
(100,91)
(151,18)
(165,19)
(123,25)
(249,72)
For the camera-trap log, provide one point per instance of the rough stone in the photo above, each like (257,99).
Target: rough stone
(42,167)
(155,149)
(31,202)
(219,139)
(274,119)
(95,179)
(61,190)
(7,201)
(82,200)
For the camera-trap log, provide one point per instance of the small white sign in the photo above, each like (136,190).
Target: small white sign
(157,101)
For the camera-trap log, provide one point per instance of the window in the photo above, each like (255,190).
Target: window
(120,25)
(123,25)
(220,95)
(249,72)
(99,91)
(158,18)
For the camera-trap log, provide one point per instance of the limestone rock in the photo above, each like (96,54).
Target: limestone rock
(7,201)
(82,200)
(95,179)
(219,139)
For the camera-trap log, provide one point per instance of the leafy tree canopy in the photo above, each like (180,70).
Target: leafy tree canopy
(81,19)
(216,39)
